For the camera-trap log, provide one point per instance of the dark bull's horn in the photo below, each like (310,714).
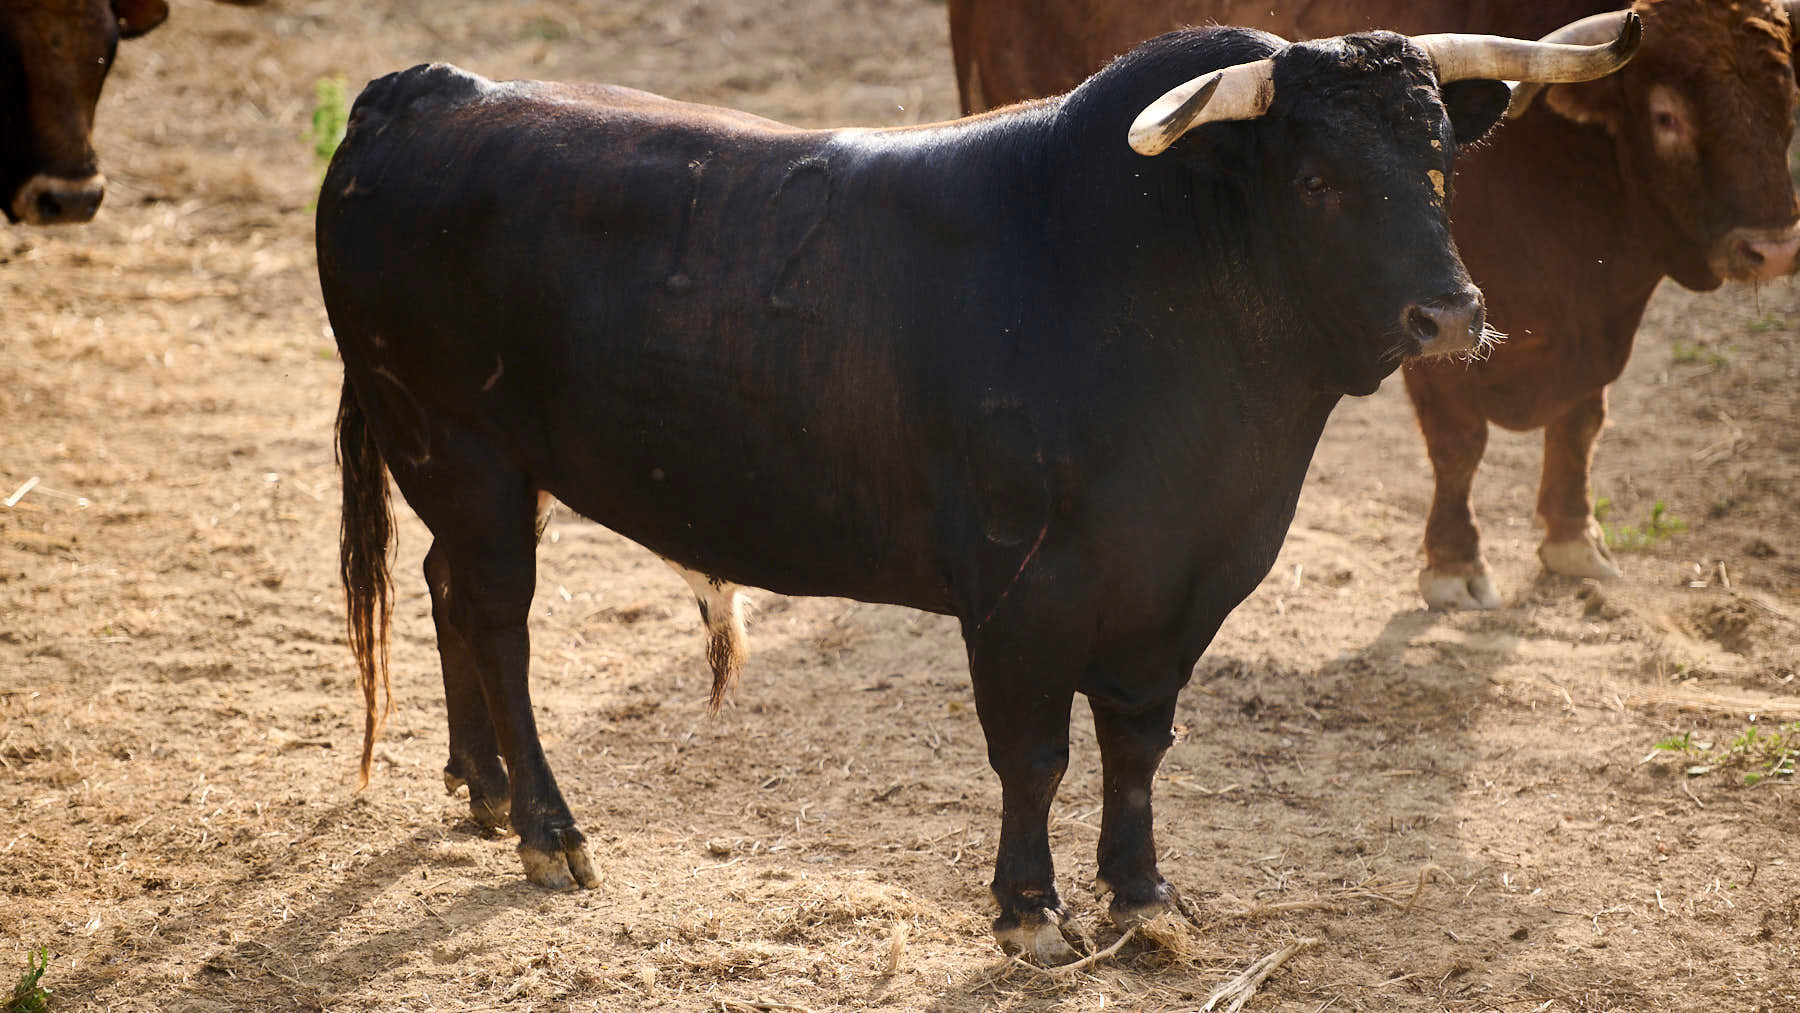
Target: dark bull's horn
(1597,28)
(1245,91)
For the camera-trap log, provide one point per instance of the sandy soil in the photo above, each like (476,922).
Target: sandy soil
(178,724)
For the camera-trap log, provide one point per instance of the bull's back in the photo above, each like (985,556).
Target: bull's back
(637,298)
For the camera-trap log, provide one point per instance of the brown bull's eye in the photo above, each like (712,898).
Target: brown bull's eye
(1314,185)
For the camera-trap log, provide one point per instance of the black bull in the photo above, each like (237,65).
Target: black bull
(1005,369)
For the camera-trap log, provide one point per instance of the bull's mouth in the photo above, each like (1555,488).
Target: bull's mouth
(57,200)
(1756,254)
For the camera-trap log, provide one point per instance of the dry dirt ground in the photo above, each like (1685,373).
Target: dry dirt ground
(178,724)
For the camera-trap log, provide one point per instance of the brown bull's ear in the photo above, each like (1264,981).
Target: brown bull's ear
(1595,103)
(138,16)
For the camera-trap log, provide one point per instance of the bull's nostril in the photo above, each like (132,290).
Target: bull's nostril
(1752,256)
(49,208)
(1420,325)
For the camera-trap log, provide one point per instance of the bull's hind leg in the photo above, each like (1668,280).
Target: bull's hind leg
(1574,544)
(474,752)
(1132,744)
(1455,575)
(483,513)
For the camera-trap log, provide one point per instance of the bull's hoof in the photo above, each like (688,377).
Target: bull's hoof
(1132,908)
(1580,557)
(1036,936)
(561,869)
(491,811)
(1467,587)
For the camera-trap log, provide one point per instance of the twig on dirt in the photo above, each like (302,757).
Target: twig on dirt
(760,1005)
(896,946)
(1240,989)
(1690,794)
(19,493)
(1083,964)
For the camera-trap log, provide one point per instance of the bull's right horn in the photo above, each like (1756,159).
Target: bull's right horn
(1242,92)
(1592,30)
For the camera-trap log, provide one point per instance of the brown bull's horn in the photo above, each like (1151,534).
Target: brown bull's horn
(1597,29)
(1242,92)
(1462,57)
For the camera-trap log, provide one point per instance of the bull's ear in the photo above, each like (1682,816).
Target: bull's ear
(138,16)
(1595,103)
(1475,106)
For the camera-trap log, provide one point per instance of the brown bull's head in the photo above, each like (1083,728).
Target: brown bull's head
(1702,120)
(54,55)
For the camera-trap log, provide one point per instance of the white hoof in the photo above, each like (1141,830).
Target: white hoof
(1448,591)
(1579,557)
(1038,940)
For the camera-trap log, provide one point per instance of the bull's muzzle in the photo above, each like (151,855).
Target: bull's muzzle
(58,200)
(1758,254)
(1451,323)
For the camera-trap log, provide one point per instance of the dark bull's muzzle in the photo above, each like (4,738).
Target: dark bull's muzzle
(1451,323)
(58,200)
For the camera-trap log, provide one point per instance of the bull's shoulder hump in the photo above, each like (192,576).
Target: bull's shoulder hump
(427,85)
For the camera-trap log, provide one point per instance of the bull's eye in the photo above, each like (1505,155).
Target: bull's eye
(1667,122)
(1314,186)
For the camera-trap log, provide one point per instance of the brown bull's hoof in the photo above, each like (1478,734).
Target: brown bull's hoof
(1035,936)
(560,870)
(1462,587)
(1580,557)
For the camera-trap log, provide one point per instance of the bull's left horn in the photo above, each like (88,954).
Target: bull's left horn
(1462,57)
(1242,92)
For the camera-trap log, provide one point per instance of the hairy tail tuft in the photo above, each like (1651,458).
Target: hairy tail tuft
(363,545)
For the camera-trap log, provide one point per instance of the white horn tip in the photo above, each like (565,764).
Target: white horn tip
(1166,119)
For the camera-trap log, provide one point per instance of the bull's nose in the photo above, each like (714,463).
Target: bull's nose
(1766,258)
(1449,323)
(55,200)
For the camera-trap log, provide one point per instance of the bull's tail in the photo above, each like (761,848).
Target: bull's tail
(363,543)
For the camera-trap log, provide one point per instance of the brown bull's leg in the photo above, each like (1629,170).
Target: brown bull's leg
(1131,747)
(1574,544)
(1455,575)
(1023,705)
(474,752)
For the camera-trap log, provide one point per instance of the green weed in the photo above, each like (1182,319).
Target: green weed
(1767,753)
(1634,538)
(330,116)
(28,995)
(1686,353)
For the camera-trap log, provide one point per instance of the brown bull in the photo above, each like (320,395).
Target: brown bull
(54,55)
(1569,219)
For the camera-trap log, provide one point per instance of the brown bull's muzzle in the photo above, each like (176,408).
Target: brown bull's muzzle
(58,200)
(1757,254)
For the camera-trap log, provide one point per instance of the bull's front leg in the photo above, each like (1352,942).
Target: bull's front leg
(1022,697)
(1132,744)
(1574,543)
(1455,574)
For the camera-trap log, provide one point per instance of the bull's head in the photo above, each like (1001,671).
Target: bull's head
(1702,122)
(1350,157)
(54,55)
